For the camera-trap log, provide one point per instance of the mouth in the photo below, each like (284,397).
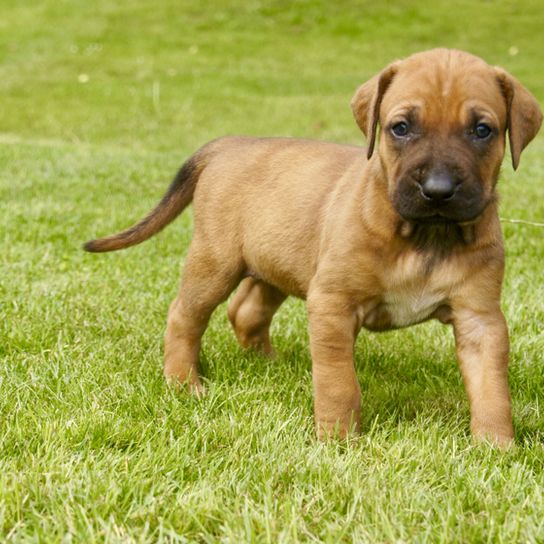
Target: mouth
(439,218)
(440,203)
(460,213)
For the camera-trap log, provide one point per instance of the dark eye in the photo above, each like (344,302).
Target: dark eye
(482,131)
(400,129)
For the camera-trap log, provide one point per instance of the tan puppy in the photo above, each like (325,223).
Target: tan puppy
(404,232)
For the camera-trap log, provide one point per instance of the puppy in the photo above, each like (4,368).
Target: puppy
(402,232)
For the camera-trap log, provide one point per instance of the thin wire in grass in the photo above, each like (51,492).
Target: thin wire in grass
(522,222)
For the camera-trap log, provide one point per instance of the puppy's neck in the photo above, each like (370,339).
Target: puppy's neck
(440,239)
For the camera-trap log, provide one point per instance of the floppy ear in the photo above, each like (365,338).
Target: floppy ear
(367,100)
(523,114)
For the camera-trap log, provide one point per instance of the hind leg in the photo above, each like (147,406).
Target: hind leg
(207,282)
(251,311)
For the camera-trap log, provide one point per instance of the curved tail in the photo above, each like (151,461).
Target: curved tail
(176,199)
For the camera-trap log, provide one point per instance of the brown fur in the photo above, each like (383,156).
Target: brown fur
(356,236)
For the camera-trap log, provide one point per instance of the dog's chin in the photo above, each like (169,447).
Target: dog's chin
(433,220)
(441,232)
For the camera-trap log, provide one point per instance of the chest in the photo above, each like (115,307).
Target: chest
(408,296)
(412,305)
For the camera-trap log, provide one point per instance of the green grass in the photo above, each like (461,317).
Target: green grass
(93,446)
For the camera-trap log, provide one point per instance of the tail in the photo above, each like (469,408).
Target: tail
(176,199)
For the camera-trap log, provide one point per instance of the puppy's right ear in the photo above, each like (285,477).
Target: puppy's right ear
(367,100)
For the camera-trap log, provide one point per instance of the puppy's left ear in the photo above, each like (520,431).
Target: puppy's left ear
(523,114)
(367,100)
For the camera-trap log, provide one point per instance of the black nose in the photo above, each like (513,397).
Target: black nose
(438,187)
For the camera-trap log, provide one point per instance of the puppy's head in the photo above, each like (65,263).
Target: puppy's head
(444,115)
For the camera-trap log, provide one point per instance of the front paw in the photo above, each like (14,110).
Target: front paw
(340,428)
(498,434)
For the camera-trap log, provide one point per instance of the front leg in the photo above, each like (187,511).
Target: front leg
(482,348)
(337,397)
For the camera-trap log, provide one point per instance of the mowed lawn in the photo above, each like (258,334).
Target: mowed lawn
(100,102)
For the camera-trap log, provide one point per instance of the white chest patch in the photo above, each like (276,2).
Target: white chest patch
(409,306)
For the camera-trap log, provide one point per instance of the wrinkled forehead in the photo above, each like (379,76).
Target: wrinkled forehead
(438,93)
